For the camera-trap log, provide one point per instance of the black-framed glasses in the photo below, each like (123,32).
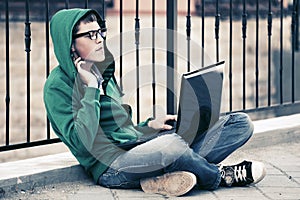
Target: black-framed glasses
(93,35)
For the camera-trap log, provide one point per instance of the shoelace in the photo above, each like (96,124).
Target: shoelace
(222,172)
(240,173)
(227,174)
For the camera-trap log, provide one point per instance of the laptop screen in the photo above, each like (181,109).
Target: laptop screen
(200,100)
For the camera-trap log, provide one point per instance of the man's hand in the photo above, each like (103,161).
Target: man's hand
(160,122)
(85,74)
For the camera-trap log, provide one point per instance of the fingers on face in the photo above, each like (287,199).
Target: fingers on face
(171,117)
(79,63)
(76,61)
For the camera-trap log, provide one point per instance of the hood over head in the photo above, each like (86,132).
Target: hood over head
(61,27)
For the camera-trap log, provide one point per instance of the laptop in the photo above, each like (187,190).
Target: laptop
(199,104)
(199,100)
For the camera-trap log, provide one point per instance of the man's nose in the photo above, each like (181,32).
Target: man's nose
(99,38)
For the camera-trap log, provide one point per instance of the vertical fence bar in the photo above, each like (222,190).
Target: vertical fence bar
(256,56)
(294,15)
(296,45)
(153,60)
(103,12)
(27,49)
(67,4)
(269,50)
(86,5)
(281,52)
(121,43)
(217,28)
(188,34)
(47,57)
(137,42)
(230,56)
(203,32)
(7,97)
(171,27)
(103,22)
(297,26)
(244,31)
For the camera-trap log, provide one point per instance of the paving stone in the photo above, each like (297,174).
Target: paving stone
(282,193)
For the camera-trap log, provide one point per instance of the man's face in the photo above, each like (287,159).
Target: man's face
(89,44)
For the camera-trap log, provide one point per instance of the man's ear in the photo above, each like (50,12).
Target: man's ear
(73,52)
(73,47)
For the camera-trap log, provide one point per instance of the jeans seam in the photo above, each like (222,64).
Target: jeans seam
(211,139)
(226,119)
(217,182)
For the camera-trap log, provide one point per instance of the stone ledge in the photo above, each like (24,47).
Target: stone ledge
(275,130)
(40,171)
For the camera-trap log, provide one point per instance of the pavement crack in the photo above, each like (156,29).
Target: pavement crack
(264,194)
(285,173)
(215,195)
(114,194)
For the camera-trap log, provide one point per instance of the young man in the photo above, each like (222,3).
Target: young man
(84,106)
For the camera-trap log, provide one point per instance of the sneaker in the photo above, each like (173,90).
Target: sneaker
(170,184)
(242,174)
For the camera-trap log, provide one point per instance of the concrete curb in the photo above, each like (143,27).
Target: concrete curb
(40,171)
(29,182)
(275,131)
(45,170)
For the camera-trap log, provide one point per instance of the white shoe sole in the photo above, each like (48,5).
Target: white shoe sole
(170,184)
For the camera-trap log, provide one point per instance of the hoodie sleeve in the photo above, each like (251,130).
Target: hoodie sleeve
(77,126)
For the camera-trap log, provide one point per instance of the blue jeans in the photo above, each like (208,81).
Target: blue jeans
(169,153)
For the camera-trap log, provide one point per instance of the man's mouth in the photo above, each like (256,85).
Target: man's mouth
(99,49)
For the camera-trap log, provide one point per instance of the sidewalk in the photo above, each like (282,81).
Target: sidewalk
(60,177)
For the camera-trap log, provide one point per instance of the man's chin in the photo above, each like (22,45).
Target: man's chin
(96,60)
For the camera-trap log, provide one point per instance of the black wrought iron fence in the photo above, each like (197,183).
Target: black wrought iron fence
(270,57)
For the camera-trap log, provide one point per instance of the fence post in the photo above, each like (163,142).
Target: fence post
(7,67)
(171,60)
(297,26)
(27,49)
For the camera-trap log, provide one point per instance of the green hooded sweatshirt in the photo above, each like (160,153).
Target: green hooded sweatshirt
(89,123)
